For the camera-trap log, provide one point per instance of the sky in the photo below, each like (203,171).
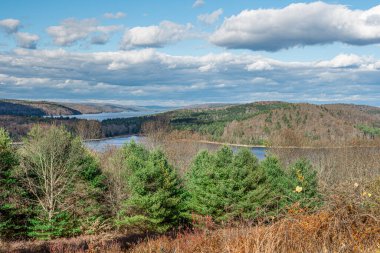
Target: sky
(177,53)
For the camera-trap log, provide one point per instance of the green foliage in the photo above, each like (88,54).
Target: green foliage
(226,186)
(12,215)
(229,186)
(157,199)
(372,132)
(297,185)
(91,171)
(62,224)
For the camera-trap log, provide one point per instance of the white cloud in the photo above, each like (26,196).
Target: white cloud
(210,18)
(299,24)
(259,66)
(198,3)
(72,30)
(150,75)
(155,36)
(10,25)
(346,61)
(116,15)
(27,40)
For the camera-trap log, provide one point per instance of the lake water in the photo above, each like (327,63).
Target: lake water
(103,144)
(114,115)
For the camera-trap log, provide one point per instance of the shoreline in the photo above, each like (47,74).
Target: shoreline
(224,143)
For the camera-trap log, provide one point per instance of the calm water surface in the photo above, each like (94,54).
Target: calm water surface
(103,144)
(114,115)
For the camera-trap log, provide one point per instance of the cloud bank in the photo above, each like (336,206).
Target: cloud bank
(150,77)
(300,24)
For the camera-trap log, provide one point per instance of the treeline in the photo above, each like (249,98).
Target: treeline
(124,126)
(54,187)
(19,126)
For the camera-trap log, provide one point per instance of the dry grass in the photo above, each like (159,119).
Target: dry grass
(90,244)
(335,165)
(343,226)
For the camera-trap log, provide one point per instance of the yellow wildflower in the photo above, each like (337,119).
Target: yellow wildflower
(298,189)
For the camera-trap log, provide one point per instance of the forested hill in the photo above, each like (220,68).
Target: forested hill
(34,108)
(269,123)
(43,108)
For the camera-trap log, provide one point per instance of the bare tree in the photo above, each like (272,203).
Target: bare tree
(113,166)
(156,132)
(50,161)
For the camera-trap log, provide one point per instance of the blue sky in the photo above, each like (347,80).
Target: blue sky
(191,51)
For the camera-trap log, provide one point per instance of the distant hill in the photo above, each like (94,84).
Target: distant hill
(282,124)
(269,123)
(34,108)
(44,108)
(260,123)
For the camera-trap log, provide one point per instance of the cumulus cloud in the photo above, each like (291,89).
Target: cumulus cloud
(198,3)
(210,18)
(299,24)
(10,25)
(148,75)
(27,40)
(72,30)
(116,15)
(155,36)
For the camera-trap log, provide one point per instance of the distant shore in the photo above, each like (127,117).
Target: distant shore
(225,143)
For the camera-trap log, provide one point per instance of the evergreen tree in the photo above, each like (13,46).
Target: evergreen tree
(230,187)
(157,199)
(12,211)
(279,183)
(226,186)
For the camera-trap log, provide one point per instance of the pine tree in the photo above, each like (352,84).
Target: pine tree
(157,199)
(226,186)
(12,213)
